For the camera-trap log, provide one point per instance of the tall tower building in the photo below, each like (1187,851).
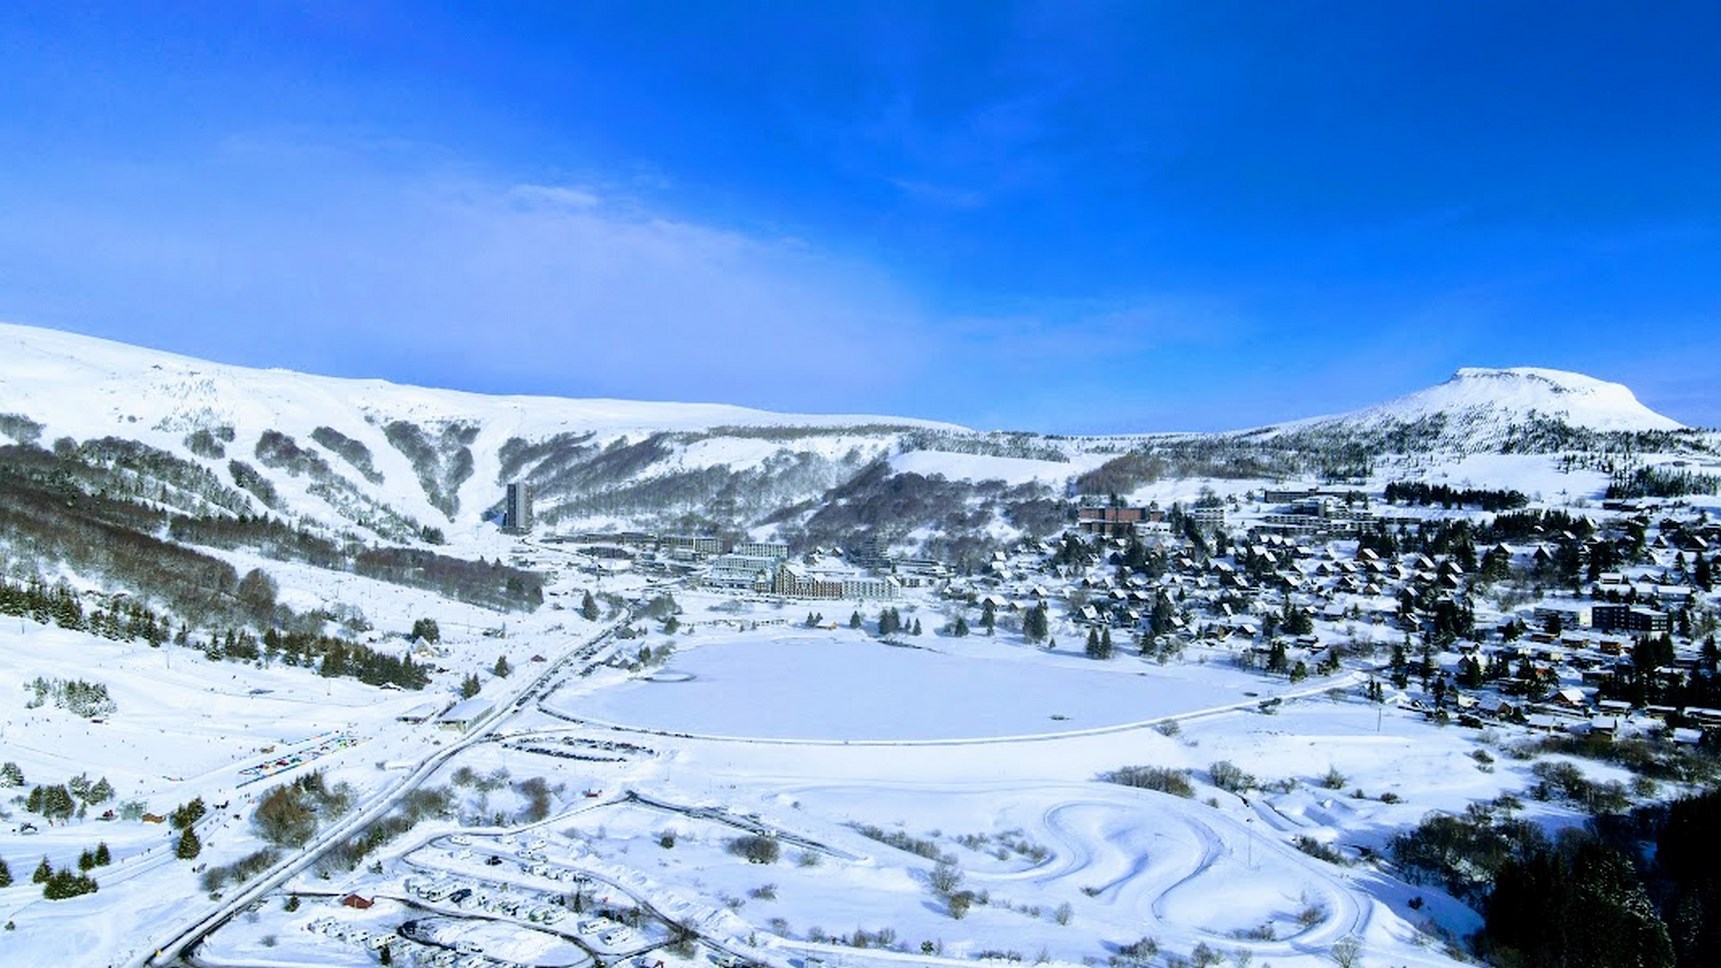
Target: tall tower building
(517,508)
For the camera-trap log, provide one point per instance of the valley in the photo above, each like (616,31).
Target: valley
(800,691)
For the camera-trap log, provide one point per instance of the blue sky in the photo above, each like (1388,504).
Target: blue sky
(1070,217)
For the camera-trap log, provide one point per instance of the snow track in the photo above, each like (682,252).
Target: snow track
(1151,864)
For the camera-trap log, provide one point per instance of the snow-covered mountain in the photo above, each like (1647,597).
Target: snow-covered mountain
(1492,410)
(1515,395)
(373,461)
(332,448)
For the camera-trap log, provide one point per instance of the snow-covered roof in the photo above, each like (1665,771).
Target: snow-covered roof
(466,710)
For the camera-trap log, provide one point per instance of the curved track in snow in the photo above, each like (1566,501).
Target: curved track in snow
(1161,865)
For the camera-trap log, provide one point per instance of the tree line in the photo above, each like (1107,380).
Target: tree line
(1425,494)
(330,655)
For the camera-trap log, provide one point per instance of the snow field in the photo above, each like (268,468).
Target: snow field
(800,684)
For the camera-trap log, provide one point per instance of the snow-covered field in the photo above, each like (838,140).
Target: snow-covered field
(981,750)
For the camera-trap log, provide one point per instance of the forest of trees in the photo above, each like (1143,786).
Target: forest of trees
(129,620)
(1424,494)
(1661,482)
(1638,889)
(352,451)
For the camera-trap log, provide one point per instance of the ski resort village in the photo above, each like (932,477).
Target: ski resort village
(302,671)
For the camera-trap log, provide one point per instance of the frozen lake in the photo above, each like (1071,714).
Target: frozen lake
(844,686)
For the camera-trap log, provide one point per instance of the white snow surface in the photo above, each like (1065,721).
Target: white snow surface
(826,686)
(985,467)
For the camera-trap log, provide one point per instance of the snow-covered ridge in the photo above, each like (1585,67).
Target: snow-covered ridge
(87,388)
(47,366)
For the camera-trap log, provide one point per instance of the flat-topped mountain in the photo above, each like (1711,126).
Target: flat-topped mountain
(1520,393)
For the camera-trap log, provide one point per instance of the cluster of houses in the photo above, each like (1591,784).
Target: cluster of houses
(1574,641)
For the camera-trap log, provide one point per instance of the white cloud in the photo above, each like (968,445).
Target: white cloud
(332,260)
(553,196)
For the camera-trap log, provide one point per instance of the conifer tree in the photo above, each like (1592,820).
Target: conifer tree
(57,803)
(188,846)
(1035,624)
(1277,660)
(589,608)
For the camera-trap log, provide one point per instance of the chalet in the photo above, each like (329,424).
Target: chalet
(1704,717)
(355,901)
(1543,722)
(1673,594)
(1496,707)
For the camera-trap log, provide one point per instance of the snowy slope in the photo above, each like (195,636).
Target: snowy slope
(49,366)
(603,463)
(85,388)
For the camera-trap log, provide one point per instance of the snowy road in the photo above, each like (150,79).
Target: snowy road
(377,806)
